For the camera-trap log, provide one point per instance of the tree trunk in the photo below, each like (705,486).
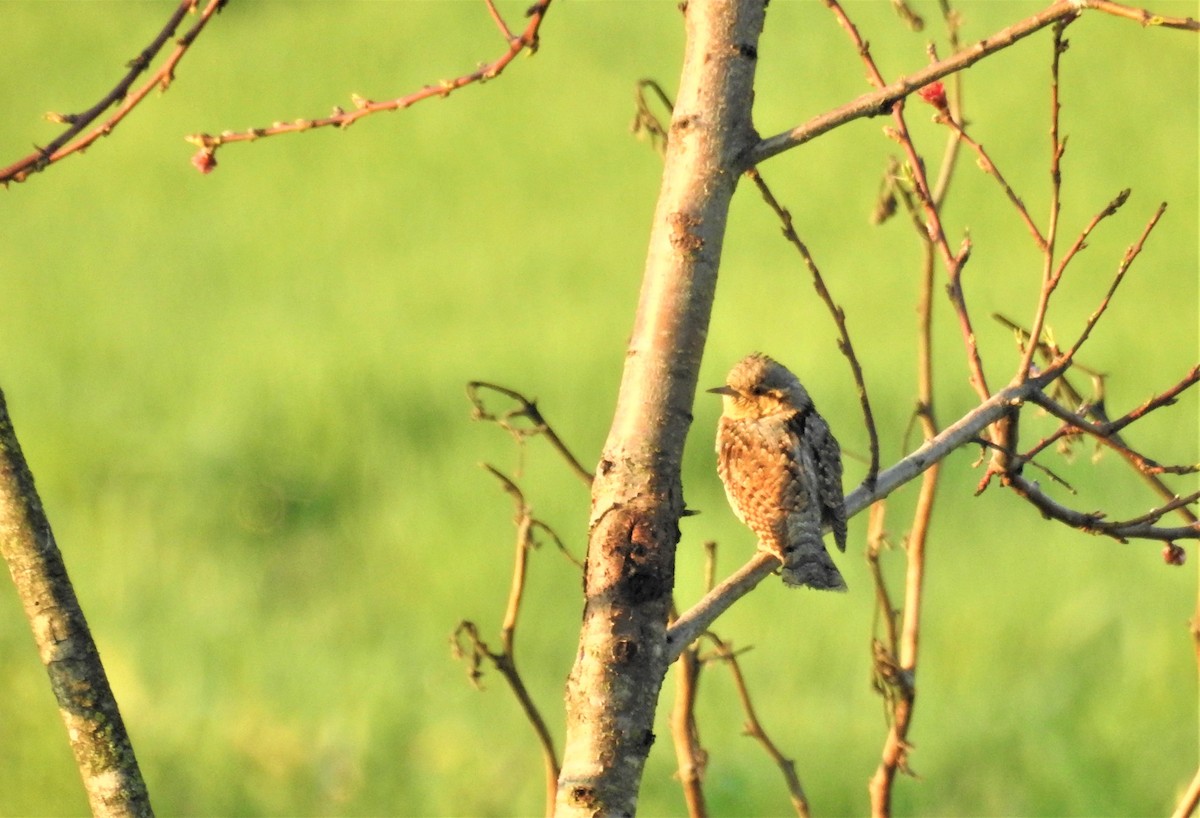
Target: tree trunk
(637,497)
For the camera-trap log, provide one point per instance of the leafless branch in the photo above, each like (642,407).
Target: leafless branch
(103,752)
(526,41)
(1130,254)
(67,143)
(954,261)
(839,315)
(1101,424)
(881,101)
(690,755)
(526,410)
(989,167)
(469,645)
(753,727)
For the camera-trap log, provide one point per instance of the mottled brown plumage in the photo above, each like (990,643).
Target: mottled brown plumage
(782,470)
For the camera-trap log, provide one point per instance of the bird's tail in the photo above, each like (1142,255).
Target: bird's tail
(812,568)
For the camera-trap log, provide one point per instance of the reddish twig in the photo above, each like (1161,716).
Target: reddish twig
(1141,528)
(66,143)
(989,167)
(1047,244)
(894,756)
(1105,430)
(882,100)
(954,261)
(895,661)
(1102,423)
(690,756)
(526,41)
(1122,269)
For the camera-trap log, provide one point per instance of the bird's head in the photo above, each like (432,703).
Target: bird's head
(758,386)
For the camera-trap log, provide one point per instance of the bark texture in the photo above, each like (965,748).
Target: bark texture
(97,734)
(637,498)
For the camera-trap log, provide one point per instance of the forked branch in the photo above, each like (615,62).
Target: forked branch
(73,139)
(468,644)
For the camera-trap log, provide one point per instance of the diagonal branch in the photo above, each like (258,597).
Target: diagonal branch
(1130,254)
(881,101)
(63,145)
(103,752)
(525,408)
(526,41)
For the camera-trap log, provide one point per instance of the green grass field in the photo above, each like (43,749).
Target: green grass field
(242,398)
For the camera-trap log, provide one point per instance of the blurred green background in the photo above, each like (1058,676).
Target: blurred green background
(242,397)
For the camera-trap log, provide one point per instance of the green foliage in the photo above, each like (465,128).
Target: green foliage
(242,397)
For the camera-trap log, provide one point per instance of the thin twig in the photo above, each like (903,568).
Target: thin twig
(63,146)
(526,41)
(1095,409)
(989,167)
(1057,147)
(1104,432)
(839,316)
(894,757)
(690,756)
(468,644)
(753,727)
(1142,528)
(525,408)
(881,101)
(1130,255)
(954,261)
(896,663)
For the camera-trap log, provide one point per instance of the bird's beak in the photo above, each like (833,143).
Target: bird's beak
(724,390)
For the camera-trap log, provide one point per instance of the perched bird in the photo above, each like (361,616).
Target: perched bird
(782,469)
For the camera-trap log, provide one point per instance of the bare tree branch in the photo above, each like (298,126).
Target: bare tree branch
(882,100)
(468,644)
(528,410)
(754,729)
(63,145)
(526,41)
(690,756)
(95,729)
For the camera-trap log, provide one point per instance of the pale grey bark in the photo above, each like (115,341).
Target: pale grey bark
(614,686)
(96,732)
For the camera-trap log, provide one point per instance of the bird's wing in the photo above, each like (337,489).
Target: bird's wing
(824,466)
